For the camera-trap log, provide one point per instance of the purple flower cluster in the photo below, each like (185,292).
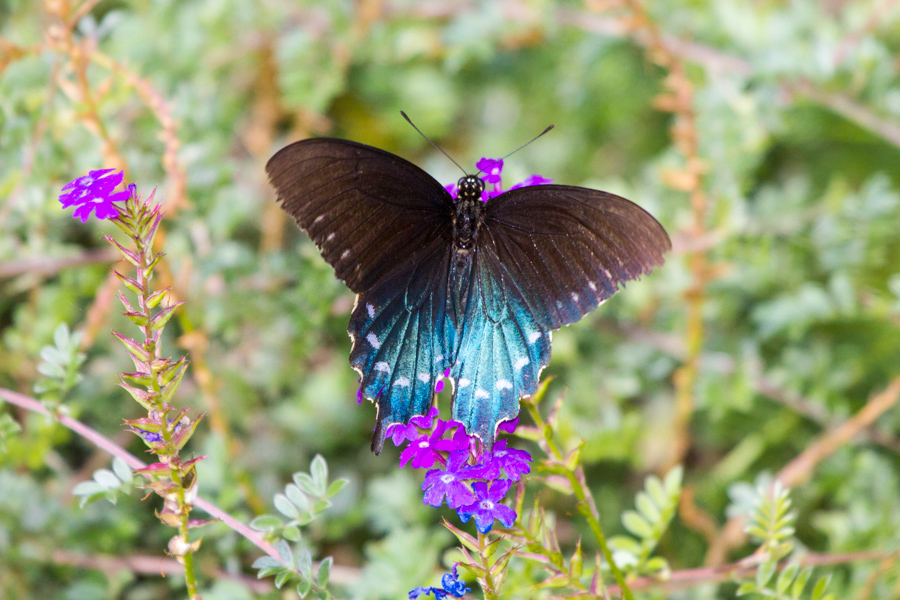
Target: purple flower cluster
(450,586)
(492,168)
(470,481)
(94,192)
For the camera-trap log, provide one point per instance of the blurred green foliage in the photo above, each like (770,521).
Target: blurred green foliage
(798,119)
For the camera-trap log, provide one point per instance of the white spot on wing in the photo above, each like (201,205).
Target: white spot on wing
(373,339)
(423,377)
(520,362)
(345,254)
(402,382)
(371,310)
(438,358)
(464,382)
(330,237)
(503,384)
(383,367)
(533,337)
(319,219)
(575,297)
(593,286)
(481,394)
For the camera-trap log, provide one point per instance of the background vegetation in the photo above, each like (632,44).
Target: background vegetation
(765,136)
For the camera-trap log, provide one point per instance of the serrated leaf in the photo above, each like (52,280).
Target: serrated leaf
(265,523)
(285,506)
(324,571)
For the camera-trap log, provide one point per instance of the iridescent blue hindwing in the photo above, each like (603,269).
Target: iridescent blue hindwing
(502,351)
(403,339)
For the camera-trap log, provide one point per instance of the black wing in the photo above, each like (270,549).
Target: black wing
(567,249)
(365,209)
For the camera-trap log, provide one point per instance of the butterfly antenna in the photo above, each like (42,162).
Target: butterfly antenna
(408,120)
(514,151)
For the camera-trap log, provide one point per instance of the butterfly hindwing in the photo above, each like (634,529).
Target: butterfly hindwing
(403,339)
(501,354)
(567,249)
(363,207)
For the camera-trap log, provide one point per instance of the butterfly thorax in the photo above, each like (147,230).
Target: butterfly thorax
(467,213)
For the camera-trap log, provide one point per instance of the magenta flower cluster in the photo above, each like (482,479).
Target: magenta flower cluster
(95,193)
(492,168)
(470,481)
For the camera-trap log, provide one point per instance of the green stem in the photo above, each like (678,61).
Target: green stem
(583,494)
(489,592)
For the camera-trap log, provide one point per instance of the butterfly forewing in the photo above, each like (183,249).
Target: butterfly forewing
(567,249)
(363,207)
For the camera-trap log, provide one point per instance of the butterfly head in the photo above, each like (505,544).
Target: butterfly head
(470,187)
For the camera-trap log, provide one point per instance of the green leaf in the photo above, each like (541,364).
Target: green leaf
(305,483)
(304,563)
(298,498)
(265,523)
(800,583)
(320,506)
(107,479)
(291,533)
(122,470)
(336,486)
(304,587)
(764,573)
(283,578)
(324,571)
(636,524)
(284,551)
(746,588)
(819,589)
(319,470)
(648,509)
(88,488)
(266,562)
(285,506)
(785,578)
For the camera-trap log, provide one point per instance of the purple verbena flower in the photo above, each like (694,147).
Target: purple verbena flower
(400,433)
(94,192)
(487,507)
(514,463)
(509,426)
(425,450)
(533,180)
(439,386)
(448,482)
(451,189)
(450,583)
(491,167)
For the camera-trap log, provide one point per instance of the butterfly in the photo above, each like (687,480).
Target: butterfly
(457,287)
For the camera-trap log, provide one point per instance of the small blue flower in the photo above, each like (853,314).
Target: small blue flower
(487,507)
(450,583)
(449,482)
(94,192)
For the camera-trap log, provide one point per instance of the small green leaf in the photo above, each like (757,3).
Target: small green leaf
(785,578)
(765,572)
(319,471)
(88,488)
(306,483)
(648,509)
(267,562)
(291,533)
(320,506)
(107,479)
(746,588)
(819,589)
(800,583)
(122,470)
(298,498)
(265,523)
(336,486)
(304,587)
(324,571)
(285,506)
(283,578)
(636,524)
(284,551)
(304,563)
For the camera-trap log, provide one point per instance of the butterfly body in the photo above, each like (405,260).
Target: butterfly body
(457,286)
